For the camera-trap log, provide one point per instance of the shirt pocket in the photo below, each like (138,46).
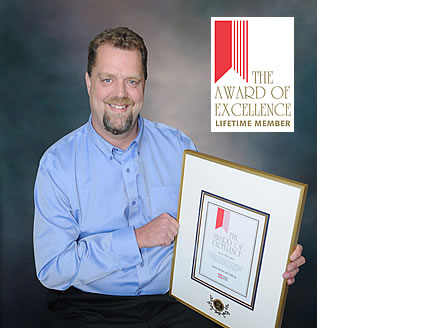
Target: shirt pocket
(164,199)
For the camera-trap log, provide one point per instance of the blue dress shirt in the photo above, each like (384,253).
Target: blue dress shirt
(90,196)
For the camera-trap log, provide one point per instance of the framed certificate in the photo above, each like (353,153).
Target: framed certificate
(238,227)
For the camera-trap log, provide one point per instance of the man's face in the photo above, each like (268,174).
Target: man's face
(116,90)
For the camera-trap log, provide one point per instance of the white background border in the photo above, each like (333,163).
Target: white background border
(371,165)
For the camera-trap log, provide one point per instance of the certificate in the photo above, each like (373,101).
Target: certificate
(238,227)
(229,245)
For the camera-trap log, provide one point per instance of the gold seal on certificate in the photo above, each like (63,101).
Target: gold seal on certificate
(218,307)
(238,227)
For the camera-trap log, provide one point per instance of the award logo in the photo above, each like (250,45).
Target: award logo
(229,242)
(252,74)
(222,220)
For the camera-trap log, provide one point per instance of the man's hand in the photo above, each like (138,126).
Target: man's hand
(293,267)
(159,232)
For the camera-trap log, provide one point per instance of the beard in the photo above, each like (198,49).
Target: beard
(117,123)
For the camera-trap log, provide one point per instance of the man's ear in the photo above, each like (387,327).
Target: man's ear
(88,83)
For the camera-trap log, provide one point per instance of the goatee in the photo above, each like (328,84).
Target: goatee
(119,124)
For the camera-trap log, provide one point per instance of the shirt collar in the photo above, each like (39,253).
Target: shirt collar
(108,148)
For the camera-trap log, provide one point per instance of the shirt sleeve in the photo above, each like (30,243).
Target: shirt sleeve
(64,259)
(186,142)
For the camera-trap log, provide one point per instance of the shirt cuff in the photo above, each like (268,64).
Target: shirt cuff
(125,247)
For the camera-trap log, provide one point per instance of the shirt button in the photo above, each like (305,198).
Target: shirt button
(133,202)
(139,292)
(128,170)
(110,157)
(142,265)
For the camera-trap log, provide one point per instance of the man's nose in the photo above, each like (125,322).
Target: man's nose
(120,89)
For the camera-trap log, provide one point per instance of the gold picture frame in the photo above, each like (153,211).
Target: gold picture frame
(238,227)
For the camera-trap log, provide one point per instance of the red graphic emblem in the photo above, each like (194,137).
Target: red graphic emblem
(223,218)
(231,48)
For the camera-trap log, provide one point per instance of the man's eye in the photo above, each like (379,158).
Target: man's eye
(107,80)
(133,82)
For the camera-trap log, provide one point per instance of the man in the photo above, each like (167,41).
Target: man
(106,200)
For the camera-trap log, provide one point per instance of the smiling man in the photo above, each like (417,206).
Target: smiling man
(106,198)
(116,86)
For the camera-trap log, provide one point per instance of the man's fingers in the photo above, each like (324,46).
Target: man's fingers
(165,237)
(170,231)
(291,274)
(169,223)
(168,238)
(297,252)
(295,264)
(158,232)
(292,269)
(171,235)
(290,281)
(174,228)
(174,225)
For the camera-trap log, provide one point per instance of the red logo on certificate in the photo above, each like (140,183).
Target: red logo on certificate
(223,218)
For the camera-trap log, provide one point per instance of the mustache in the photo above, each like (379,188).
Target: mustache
(119,101)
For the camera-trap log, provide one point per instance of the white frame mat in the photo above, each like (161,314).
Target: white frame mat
(238,227)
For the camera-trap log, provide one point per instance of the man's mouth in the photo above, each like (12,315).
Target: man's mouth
(118,107)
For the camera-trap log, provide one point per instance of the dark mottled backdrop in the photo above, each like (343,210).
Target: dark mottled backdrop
(43,97)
